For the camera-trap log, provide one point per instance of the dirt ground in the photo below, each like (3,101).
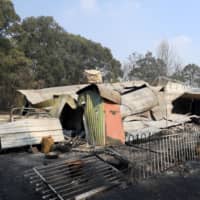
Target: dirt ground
(181,183)
(13,185)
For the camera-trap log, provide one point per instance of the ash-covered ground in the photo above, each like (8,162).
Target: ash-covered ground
(180,183)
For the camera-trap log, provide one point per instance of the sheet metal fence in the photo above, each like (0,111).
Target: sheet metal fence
(151,156)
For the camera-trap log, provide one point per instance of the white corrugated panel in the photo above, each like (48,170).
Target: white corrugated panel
(138,101)
(40,95)
(29,131)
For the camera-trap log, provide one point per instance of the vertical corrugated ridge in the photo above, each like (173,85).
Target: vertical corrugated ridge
(94,115)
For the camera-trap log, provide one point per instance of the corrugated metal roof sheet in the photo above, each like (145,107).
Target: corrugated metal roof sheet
(138,101)
(35,96)
(104,91)
(29,131)
(144,127)
(123,87)
(39,95)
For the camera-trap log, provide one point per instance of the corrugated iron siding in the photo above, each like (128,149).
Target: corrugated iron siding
(138,101)
(94,115)
(114,127)
(29,131)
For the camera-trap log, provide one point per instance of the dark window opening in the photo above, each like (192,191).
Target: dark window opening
(186,106)
(72,120)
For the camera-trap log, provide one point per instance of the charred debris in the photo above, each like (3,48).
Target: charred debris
(118,134)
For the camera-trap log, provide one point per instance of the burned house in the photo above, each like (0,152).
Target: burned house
(58,102)
(136,107)
(46,112)
(112,116)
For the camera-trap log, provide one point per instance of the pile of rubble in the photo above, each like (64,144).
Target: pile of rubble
(141,130)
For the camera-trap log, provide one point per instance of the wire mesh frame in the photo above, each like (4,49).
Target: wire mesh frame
(74,179)
(151,155)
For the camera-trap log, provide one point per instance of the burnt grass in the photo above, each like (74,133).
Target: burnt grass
(178,183)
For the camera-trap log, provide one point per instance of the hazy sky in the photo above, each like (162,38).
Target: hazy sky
(126,26)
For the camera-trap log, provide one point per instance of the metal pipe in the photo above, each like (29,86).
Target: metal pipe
(63,179)
(50,186)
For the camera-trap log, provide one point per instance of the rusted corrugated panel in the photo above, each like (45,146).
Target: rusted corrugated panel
(29,131)
(138,101)
(114,126)
(104,92)
(109,94)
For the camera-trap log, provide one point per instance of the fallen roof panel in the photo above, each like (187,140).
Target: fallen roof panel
(40,95)
(29,131)
(105,92)
(138,101)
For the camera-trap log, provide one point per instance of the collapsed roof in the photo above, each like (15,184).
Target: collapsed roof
(143,107)
(35,96)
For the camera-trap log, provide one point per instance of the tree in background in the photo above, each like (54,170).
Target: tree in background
(191,75)
(37,53)
(9,20)
(59,57)
(14,66)
(148,68)
(166,52)
(130,65)
(42,42)
(178,75)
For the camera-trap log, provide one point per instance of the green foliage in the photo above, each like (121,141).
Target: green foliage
(177,75)
(8,18)
(59,57)
(39,53)
(148,68)
(191,75)
(15,72)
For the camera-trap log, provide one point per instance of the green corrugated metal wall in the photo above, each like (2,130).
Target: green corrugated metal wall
(94,115)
